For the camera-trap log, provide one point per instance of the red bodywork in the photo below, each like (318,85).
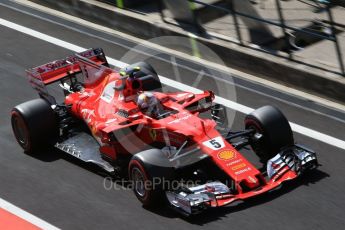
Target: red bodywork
(102,108)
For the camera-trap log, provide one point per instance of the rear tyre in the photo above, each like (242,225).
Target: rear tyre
(34,125)
(146,68)
(274,129)
(147,75)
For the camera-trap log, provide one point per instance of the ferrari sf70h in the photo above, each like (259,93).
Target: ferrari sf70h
(123,122)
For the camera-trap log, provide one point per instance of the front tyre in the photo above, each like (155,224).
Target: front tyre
(272,131)
(143,184)
(34,125)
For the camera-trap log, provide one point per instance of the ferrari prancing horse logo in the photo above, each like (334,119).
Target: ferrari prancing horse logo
(153,134)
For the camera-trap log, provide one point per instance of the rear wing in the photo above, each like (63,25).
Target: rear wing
(56,70)
(51,72)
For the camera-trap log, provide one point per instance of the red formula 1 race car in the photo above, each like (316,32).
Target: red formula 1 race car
(122,121)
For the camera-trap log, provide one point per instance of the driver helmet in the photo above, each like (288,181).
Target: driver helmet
(147,101)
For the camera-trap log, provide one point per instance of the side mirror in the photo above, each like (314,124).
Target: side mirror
(219,115)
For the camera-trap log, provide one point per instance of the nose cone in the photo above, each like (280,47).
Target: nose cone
(190,125)
(250,182)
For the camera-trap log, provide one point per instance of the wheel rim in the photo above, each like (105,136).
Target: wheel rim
(20,130)
(257,147)
(139,181)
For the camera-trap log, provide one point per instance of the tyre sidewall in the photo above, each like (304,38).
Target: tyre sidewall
(275,128)
(148,199)
(40,124)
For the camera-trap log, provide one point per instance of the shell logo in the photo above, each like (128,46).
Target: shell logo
(226,155)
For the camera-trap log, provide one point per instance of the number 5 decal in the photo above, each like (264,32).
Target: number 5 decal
(215,143)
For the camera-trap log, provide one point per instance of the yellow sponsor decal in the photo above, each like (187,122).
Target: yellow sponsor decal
(236,167)
(93,130)
(153,134)
(226,155)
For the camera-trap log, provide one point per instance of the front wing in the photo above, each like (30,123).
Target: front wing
(286,165)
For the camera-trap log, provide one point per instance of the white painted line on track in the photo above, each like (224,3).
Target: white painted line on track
(178,85)
(234,72)
(26,216)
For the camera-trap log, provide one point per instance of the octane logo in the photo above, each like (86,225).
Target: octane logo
(226,155)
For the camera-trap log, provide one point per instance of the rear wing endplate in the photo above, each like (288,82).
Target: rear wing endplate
(51,72)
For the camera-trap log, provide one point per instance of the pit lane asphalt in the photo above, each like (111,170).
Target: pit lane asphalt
(70,195)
